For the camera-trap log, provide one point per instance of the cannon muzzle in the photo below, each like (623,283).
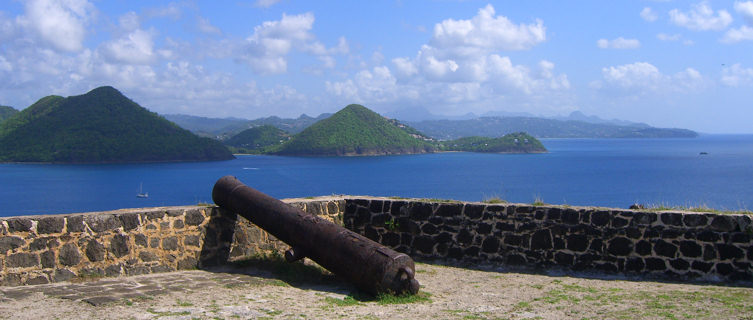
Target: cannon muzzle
(371,266)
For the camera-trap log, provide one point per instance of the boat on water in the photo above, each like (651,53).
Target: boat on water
(141,193)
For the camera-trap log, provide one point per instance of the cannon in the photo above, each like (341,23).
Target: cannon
(371,266)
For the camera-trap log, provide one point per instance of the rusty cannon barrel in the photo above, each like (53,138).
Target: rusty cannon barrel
(371,266)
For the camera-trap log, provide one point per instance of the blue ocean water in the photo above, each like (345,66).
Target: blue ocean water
(599,172)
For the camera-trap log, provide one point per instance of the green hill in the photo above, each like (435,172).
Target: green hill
(519,142)
(354,130)
(257,140)
(6,112)
(99,126)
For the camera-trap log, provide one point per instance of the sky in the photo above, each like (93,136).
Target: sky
(686,64)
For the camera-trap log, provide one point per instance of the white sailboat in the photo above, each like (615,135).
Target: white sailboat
(141,193)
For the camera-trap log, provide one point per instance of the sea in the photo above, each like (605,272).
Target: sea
(711,170)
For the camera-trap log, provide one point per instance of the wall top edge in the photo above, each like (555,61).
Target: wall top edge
(364,197)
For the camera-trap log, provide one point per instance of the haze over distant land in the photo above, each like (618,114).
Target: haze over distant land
(668,64)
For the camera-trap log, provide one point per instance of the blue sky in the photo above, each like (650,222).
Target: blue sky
(667,63)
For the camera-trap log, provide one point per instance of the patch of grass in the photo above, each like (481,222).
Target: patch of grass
(344,302)
(183,303)
(391,224)
(700,208)
(494,200)
(429,272)
(421,297)
(272,312)
(538,201)
(167,313)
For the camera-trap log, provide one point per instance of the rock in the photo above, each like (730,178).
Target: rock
(69,255)
(22,260)
(9,243)
(119,245)
(50,225)
(95,251)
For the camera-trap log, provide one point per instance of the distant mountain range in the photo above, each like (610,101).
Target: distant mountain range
(99,126)
(224,128)
(541,128)
(575,125)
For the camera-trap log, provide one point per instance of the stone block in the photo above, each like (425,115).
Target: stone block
(655,264)
(63,275)
(724,269)
(391,239)
(524,209)
(620,246)
(188,263)
(75,224)
(170,243)
(671,218)
(464,237)
(140,240)
(376,206)
(703,267)
(690,249)
(37,280)
(429,229)
(147,256)
(483,228)
(119,245)
(679,264)
(191,240)
(154,242)
(708,236)
(50,225)
(130,220)
(634,264)
(619,222)
(572,217)
(577,242)
(665,249)
(728,251)
(709,252)
(10,243)
(19,225)
(443,237)
(541,240)
(69,255)
(473,211)
(22,260)
(424,244)
(490,245)
(114,270)
(740,237)
(102,222)
(47,259)
(643,248)
(562,258)
(194,218)
(644,218)
(94,251)
(724,223)
(600,218)
(693,220)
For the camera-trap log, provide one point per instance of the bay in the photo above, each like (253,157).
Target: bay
(583,172)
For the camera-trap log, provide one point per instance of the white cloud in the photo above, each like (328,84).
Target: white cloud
(737,76)
(648,14)
(641,77)
(206,27)
(745,9)
(701,17)
(486,32)
(61,23)
(736,35)
(618,43)
(673,38)
(136,47)
(273,40)
(265,3)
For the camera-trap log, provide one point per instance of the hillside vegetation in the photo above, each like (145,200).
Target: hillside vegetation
(99,126)
(257,140)
(354,130)
(518,142)
(6,112)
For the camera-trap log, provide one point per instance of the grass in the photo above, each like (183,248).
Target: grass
(494,200)
(700,208)
(344,302)
(385,298)
(167,313)
(704,302)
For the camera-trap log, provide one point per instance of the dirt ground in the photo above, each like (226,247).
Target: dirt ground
(259,291)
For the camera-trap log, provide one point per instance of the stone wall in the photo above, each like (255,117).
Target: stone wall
(679,245)
(668,244)
(43,249)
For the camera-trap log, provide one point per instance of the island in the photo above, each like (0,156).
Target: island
(101,126)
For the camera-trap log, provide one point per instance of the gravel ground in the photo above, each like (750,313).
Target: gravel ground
(275,291)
